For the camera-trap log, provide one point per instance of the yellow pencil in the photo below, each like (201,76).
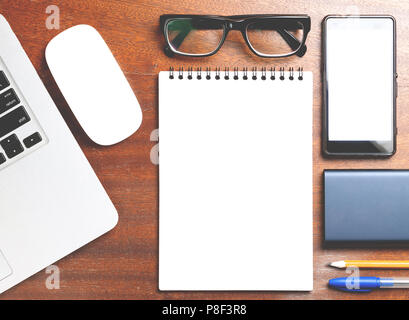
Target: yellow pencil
(387,264)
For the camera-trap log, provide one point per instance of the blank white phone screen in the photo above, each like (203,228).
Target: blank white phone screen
(359,62)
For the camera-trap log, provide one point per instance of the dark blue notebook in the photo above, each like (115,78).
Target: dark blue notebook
(366,205)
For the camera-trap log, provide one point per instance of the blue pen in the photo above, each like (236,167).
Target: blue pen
(367,284)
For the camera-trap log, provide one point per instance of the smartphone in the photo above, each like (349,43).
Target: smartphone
(359,86)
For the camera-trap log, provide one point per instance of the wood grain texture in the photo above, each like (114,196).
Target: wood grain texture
(123,264)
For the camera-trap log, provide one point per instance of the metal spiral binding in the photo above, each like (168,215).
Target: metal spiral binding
(300,73)
(199,73)
(236,76)
(217,73)
(282,77)
(226,73)
(236,73)
(263,73)
(245,73)
(291,77)
(254,77)
(273,73)
(208,77)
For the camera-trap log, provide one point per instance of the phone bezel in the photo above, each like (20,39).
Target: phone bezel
(354,148)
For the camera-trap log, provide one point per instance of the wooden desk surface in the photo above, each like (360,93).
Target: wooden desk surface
(123,264)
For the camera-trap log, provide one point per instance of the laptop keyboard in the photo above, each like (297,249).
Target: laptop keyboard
(20,133)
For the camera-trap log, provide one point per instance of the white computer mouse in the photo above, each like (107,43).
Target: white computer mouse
(94,85)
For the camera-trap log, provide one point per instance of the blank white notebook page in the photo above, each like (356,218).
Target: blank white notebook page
(235,167)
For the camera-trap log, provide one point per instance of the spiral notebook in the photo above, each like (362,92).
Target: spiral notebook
(235,173)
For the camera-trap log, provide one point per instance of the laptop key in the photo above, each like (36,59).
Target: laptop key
(8,100)
(32,140)
(12,146)
(13,120)
(4,83)
(2,158)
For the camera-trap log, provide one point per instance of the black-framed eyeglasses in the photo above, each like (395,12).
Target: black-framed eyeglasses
(268,36)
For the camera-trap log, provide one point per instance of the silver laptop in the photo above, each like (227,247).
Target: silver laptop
(51,202)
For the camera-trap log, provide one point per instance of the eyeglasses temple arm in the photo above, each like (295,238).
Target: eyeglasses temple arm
(177,41)
(292,41)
